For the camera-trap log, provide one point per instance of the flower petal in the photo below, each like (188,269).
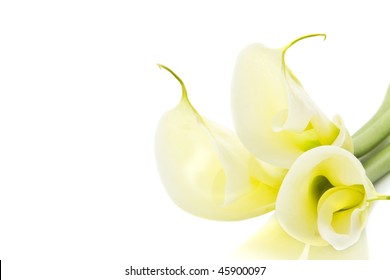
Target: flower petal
(273,115)
(207,171)
(344,139)
(312,177)
(358,251)
(342,215)
(273,243)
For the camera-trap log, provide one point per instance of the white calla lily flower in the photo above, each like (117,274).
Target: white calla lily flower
(273,115)
(325,198)
(321,202)
(207,171)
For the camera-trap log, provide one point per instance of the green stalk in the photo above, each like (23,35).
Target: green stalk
(372,136)
(384,106)
(378,164)
(375,130)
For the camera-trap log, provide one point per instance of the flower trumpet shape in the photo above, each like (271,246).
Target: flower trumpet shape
(207,171)
(273,115)
(325,198)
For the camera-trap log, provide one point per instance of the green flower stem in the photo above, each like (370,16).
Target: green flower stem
(372,136)
(384,106)
(374,131)
(378,164)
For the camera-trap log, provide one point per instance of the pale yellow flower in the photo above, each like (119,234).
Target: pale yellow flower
(321,202)
(273,115)
(325,198)
(207,171)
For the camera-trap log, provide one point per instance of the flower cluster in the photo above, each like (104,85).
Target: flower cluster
(287,156)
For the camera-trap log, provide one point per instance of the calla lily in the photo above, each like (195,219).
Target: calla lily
(273,115)
(321,202)
(207,171)
(325,198)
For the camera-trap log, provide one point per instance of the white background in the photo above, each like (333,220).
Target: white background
(80,98)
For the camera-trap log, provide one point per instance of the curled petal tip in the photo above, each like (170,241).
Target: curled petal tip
(161,66)
(299,39)
(183,87)
(304,37)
